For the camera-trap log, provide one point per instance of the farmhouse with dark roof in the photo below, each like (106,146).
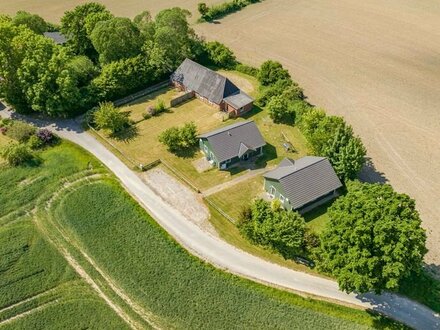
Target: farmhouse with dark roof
(231,144)
(211,87)
(57,37)
(302,184)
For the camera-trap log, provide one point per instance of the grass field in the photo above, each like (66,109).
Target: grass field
(38,289)
(172,285)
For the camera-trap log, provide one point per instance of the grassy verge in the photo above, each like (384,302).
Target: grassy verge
(175,286)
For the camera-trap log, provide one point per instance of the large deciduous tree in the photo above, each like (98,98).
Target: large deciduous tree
(31,21)
(74,27)
(374,239)
(272,71)
(116,39)
(173,40)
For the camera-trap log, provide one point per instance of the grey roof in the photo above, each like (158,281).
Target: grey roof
(239,100)
(58,37)
(204,81)
(306,179)
(234,140)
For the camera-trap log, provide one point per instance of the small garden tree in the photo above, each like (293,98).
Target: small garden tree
(16,153)
(178,139)
(110,118)
(374,239)
(271,226)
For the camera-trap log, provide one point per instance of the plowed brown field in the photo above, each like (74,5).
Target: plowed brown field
(375,62)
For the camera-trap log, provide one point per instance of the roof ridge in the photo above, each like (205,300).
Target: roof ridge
(302,168)
(224,129)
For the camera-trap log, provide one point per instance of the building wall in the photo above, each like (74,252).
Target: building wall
(237,112)
(268,183)
(209,153)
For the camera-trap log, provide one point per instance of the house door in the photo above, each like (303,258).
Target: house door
(245,156)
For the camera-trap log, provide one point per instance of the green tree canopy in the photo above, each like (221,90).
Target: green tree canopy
(271,72)
(145,24)
(31,21)
(273,227)
(73,26)
(374,239)
(179,138)
(116,39)
(16,153)
(279,110)
(346,152)
(108,117)
(220,55)
(173,40)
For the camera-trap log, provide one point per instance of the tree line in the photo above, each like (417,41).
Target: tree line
(105,57)
(223,9)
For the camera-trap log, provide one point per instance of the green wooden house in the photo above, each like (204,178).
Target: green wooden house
(231,144)
(302,184)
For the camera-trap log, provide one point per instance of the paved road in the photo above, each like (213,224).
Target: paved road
(227,257)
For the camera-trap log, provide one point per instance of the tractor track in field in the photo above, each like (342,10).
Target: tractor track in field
(62,239)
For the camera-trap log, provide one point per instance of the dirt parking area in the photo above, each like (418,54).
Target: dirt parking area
(375,62)
(175,193)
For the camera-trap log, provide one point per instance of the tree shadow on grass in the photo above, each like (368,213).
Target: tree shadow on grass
(255,110)
(128,134)
(187,152)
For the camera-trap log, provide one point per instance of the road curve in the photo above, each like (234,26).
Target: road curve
(224,255)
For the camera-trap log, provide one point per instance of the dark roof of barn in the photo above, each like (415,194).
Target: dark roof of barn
(306,179)
(239,100)
(58,37)
(204,81)
(234,140)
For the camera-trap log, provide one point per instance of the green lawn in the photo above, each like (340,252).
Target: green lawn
(143,147)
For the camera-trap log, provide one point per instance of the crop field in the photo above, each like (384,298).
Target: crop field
(53,269)
(374,62)
(166,281)
(53,10)
(38,288)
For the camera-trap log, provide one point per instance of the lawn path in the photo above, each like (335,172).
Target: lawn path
(227,257)
(251,174)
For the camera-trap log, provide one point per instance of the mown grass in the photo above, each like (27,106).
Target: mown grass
(183,291)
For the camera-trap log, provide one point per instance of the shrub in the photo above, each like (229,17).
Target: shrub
(20,131)
(273,227)
(110,118)
(279,110)
(271,72)
(278,88)
(160,107)
(16,153)
(35,143)
(146,115)
(217,11)
(219,54)
(3,130)
(247,69)
(45,135)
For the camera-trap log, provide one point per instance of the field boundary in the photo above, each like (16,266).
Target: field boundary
(219,210)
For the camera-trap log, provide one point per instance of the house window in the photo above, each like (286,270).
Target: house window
(272,191)
(205,148)
(228,161)
(282,199)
